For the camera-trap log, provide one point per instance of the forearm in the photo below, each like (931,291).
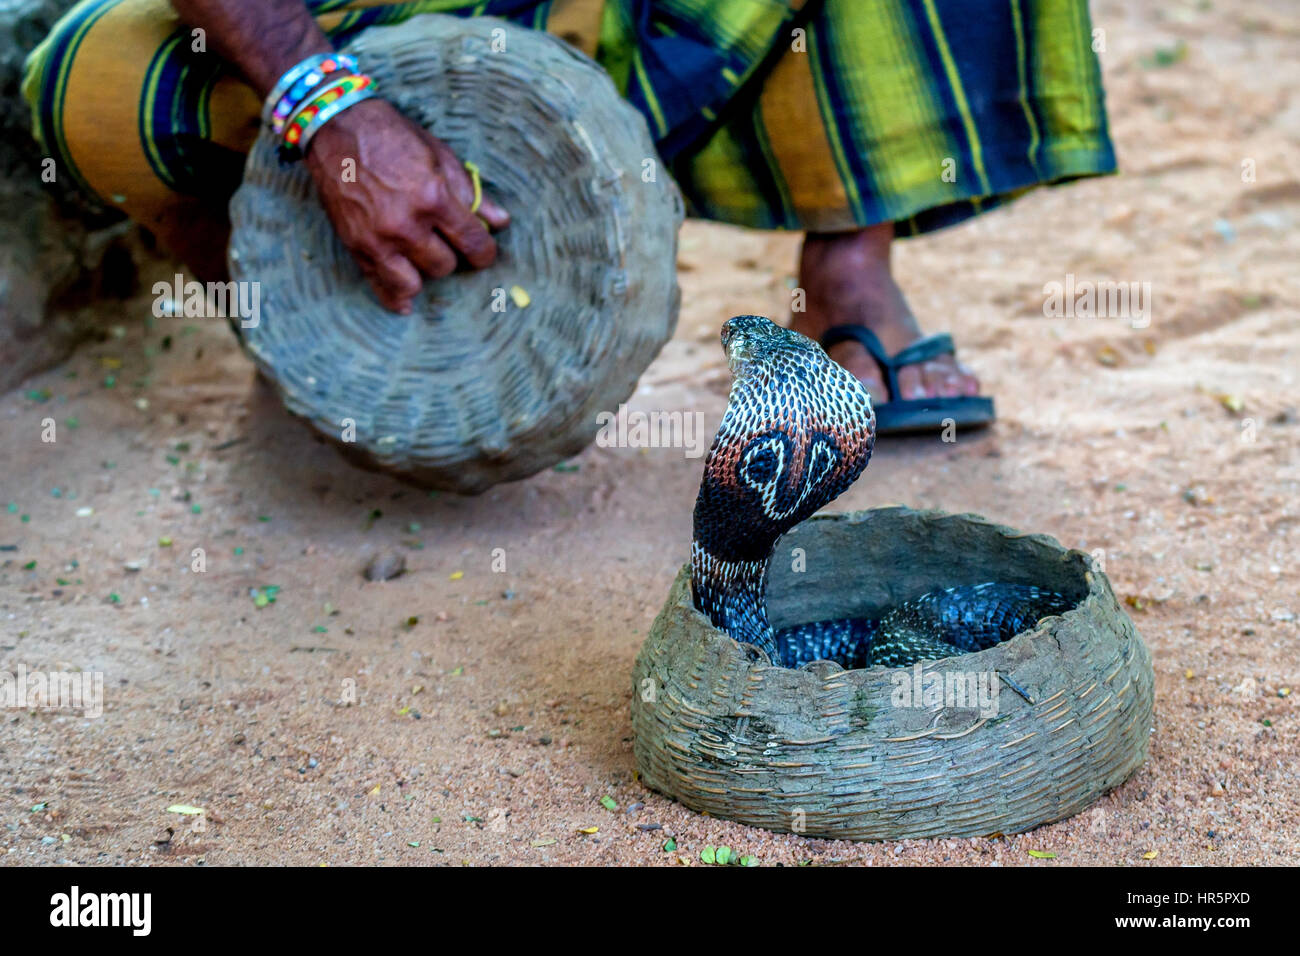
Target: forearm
(264,38)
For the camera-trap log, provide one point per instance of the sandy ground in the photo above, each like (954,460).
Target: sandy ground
(488,730)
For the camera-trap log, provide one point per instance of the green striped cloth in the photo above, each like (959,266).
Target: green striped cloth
(827,116)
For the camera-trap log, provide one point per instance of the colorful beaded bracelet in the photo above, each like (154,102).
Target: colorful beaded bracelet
(286,82)
(299,92)
(333,98)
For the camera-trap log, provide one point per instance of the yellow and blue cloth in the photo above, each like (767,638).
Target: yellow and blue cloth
(829,117)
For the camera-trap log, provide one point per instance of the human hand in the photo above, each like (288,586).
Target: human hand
(406,211)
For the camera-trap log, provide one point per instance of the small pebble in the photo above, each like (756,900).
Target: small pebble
(385,566)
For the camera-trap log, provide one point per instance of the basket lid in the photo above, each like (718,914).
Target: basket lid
(500,373)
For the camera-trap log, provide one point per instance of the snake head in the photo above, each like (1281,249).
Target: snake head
(748,340)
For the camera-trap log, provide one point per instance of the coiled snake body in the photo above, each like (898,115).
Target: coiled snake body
(797,432)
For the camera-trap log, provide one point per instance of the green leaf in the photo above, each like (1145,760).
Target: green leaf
(749,861)
(723,855)
(670,845)
(609,803)
(1042,855)
(708,855)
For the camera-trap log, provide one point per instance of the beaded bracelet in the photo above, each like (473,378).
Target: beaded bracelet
(306,84)
(286,82)
(326,103)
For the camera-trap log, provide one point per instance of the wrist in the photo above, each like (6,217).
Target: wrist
(263,74)
(340,138)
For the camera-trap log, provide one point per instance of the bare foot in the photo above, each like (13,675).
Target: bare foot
(847,281)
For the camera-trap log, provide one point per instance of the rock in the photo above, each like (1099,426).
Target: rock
(385,565)
(54,242)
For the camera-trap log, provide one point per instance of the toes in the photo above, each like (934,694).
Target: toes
(969,383)
(941,379)
(911,383)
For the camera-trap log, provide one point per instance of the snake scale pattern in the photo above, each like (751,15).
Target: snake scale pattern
(798,430)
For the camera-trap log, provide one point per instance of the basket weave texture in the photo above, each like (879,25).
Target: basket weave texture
(481,384)
(844,754)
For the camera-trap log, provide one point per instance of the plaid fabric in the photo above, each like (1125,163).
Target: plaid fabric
(920,112)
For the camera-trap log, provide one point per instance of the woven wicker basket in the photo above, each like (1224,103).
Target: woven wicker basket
(860,754)
(460,396)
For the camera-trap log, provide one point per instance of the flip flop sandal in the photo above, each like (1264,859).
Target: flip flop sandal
(901,415)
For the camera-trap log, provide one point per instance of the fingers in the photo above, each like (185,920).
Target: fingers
(497,218)
(454,172)
(430,254)
(394,278)
(407,213)
(462,230)
(467,233)
(461,182)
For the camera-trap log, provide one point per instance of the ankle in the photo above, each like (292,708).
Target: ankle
(863,248)
(833,265)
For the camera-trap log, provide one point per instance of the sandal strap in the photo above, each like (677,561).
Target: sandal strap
(856,333)
(922,350)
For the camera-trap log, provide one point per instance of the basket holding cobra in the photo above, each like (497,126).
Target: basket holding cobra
(904,674)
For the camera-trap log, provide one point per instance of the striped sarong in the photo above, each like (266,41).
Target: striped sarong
(844,115)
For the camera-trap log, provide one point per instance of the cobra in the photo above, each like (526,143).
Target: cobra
(798,430)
